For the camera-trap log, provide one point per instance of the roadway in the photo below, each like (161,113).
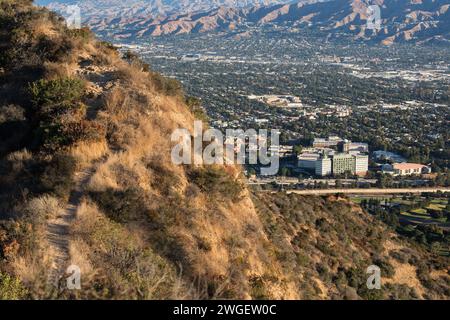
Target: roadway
(319,192)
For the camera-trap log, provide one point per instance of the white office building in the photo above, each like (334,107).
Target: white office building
(361,164)
(324,166)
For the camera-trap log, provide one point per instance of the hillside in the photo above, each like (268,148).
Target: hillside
(86,179)
(326,244)
(402,20)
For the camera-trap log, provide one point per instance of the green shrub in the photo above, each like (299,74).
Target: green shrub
(387,270)
(60,93)
(130,56)
(85,34)
(168,86)
(59,113)
(164,179)
(57,177)
(195,105)
(51,136)
(258,289)
(368,294)
(49,49)
(55,134)
(119,206)
(11,288)
(134,60)
(302,259)
(216,182)
(108,45)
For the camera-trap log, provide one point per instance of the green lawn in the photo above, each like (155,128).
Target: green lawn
(419,211)
(424,216)
(438,207)
(442,202)
(357,200)
(401,201)
(417,214)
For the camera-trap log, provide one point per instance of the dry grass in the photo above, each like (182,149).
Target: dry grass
(406,274)
(44,26)
(32,271)
(46,207)
(133,76)
(102,249)
(63,70)
(20,156)
(18,159)
(87,216)
(87,152)
(144,124)
(103,179)
(146,137)
(116,104)
(79,254)
(31,265)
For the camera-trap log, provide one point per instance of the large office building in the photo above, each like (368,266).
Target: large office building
(308,161)
(324,166)
(331,142)
(335,156)
(342,163)
(361,164)
(355,163)
(353,147)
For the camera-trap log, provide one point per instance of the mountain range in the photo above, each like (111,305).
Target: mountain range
(401,20)
(154,7)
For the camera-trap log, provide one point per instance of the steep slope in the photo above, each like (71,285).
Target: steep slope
(325,246)
(144,225)
(145,228)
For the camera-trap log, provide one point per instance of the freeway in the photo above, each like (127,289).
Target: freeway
(294,181)
(317,192)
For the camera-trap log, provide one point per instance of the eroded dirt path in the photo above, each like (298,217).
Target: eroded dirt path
(58,229)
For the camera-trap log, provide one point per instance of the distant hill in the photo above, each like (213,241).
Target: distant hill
(156,7)
(402,20)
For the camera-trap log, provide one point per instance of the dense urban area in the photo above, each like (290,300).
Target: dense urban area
(383,111)
(351,117)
